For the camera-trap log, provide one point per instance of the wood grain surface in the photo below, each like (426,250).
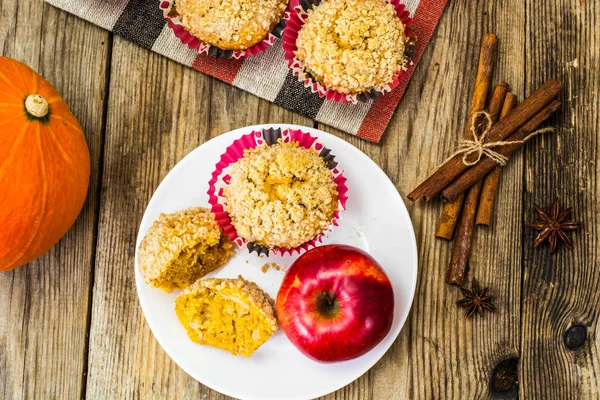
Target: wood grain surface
(44,306)
(71,325)
(562,290)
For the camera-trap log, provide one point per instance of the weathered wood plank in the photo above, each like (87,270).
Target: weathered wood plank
(438,353)
(232,108)
(562,290)
(158,112)
(156,115)
(44,305)
(363,387)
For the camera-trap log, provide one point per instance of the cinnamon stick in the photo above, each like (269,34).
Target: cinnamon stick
(497,101)
(487,199)
(485,165)
(454,167)
(483,79)
(451,210)
(449,218)
(462,245)
(464,236)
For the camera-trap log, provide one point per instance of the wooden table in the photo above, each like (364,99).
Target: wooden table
(71,325)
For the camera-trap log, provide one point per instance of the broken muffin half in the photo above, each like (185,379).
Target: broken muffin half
(182,247)
(231,314)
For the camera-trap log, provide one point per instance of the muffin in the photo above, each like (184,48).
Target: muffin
(182,247)
(231,314)
(280,196)
(230,24)
(352,46)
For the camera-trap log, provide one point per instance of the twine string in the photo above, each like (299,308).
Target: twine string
(479,147)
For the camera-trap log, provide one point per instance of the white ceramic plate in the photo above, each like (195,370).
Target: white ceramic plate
(375,220)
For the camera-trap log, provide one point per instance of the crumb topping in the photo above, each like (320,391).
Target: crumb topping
(281,195)
(231,24)
(352,46)
(266,267)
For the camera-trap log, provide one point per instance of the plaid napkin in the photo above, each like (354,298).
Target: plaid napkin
(265,75)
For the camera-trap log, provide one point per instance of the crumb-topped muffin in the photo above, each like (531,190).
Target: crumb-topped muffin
(181,247)
(230,24)
(231,314)
(352,46)
(280,196)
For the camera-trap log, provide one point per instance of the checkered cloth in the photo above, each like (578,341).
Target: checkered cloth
(265,75)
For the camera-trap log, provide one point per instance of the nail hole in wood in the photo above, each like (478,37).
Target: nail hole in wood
(575,337)
(505,378)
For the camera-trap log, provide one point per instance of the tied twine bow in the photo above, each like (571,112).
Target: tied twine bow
(479,147)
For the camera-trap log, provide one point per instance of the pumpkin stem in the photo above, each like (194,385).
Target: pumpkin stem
(36,106)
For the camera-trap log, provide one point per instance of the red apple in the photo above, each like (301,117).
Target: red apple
(335,303)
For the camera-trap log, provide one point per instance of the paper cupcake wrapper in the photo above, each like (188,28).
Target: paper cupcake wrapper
(220,179)
(174,22)
(290,35)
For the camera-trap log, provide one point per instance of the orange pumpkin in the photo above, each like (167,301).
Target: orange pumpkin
(44,165)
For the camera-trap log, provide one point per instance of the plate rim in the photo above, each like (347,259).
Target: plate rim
(315,131)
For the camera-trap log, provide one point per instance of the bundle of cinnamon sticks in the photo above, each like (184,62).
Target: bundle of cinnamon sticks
(468,180)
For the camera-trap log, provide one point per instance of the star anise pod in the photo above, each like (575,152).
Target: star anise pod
(553,226)
(475,300)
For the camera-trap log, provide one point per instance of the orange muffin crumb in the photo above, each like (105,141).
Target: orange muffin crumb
(231,314)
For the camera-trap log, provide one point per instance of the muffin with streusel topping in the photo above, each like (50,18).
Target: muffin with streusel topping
(230,24)
(181,247)
(352,46)
(231,314)
(280,196)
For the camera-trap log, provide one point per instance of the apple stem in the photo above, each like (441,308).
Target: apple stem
(325,294)
(327,304)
